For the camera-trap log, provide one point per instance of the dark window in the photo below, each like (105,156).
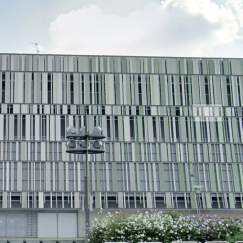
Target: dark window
(154,128)
(116,127)
(207,94)
(162,129)
(71,89)
(228,88)
(23,127)
(108,123)
(10,109)
(147,111)
(132,133)
(63,127)
(3,87)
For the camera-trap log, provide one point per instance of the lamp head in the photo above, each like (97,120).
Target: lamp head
(98,130)
(71,130)
(83,130)
(97,144)
(82,144)
(71,144)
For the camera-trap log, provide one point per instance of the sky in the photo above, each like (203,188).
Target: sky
(188,28)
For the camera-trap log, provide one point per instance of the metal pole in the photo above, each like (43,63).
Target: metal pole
(86,198)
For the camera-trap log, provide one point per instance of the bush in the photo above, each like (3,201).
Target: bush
(162,227)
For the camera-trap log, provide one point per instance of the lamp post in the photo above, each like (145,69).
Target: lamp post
(79,144)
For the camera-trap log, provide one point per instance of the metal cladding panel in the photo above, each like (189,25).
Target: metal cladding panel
(13,224)
(47,225)
(67,225)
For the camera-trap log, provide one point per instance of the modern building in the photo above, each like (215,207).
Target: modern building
(173,128)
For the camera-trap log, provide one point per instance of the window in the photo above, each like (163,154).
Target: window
(162,131)
(195,154)
(71,89)
(177,129)
(238,128)
(173,153)
(107,151)
(3,87)
(204,130)
(108,123)
(226,130)
(13,151)
(228,88)
(23,127)
(154,128)
(128,151)
(139,90)
(132,131)
(238,90)
(43,128)
(69,109)
(147,111)
(137,110)
(207,90)
(63,127)
(173,90)
(116,127)
(15,127)
(212,153)
(103,110)
(154,155)
(216,131)
(86,109)
(10,109)
(235,153)
(49,88)
(217,153)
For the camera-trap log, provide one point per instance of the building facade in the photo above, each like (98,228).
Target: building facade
(173,128)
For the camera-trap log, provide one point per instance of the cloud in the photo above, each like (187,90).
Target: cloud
(169,28)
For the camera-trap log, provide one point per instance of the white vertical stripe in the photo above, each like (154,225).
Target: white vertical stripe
(19,176)
(12,176)
(41,200)
(54,176)
(126,129)
(107,180)
(154,177)
(43,151)
(52,128)
(48,176)
(7,176)
(57,126)
(78,179)
(93,176)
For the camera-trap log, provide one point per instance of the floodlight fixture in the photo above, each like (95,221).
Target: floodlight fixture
(71,144)
(83,144)
(71,130)
(83,130)
(97,144)
(98,130)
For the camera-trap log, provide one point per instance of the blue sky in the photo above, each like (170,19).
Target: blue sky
(212,28)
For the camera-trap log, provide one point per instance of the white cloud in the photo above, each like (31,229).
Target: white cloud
(172,28)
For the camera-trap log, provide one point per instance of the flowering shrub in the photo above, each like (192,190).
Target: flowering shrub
(162,227)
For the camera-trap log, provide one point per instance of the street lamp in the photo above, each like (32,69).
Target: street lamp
(80,144)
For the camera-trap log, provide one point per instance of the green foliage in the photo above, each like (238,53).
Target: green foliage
(163,227)
(236,237)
